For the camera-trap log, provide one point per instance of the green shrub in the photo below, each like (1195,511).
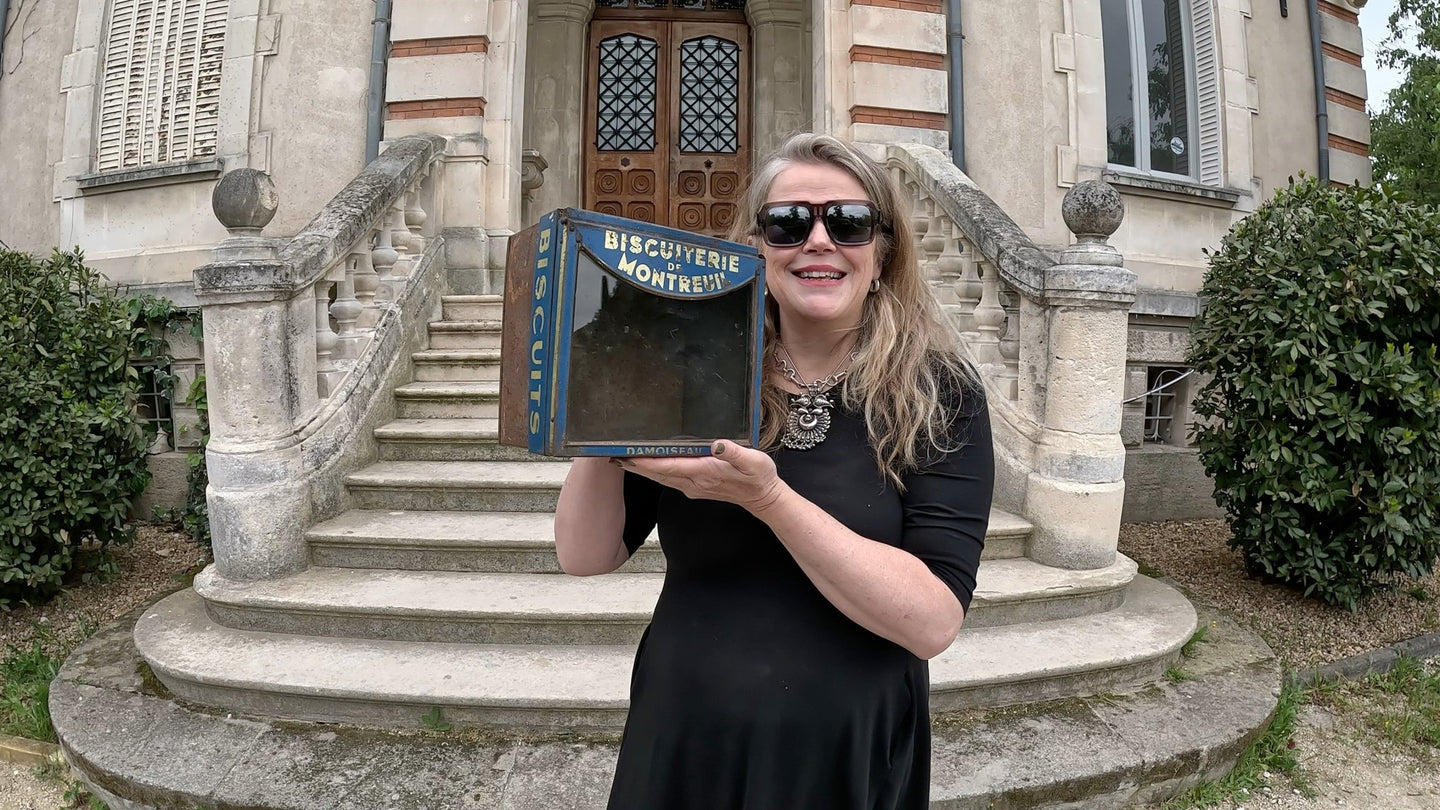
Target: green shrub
(1322,420)
(72,449)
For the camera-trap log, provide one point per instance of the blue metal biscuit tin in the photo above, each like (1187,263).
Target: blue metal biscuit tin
(623,338)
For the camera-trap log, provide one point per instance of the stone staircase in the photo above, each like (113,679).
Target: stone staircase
(438,588)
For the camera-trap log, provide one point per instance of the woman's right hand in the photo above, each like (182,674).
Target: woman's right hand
(590,518)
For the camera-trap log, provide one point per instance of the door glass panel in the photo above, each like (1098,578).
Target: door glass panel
(625,108)
(709,95)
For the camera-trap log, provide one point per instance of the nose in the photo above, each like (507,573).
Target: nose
(819,239)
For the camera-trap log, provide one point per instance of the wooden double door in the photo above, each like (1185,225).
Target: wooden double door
(667,120)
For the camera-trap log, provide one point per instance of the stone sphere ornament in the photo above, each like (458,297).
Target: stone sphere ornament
(245,200)
(1093,210)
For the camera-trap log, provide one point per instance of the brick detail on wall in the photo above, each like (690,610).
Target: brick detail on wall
(1343,13)
(1345,99)
(1347,145)
(932,6)
(895,56)
(898,118)
(435,108)
(439,45)
(1341,54)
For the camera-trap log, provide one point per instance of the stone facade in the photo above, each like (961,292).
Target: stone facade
(504,81)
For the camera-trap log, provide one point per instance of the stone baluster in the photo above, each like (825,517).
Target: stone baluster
(1076,493)
(399,240)
(1009,377)
(933,242)
(949,266)
(346,311)
(919,214)
(383,258)
(327,374)
(968,289)
(415,217)
(989,318)
(367,283)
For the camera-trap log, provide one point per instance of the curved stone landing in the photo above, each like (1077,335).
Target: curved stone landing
(585,687)
(138,747)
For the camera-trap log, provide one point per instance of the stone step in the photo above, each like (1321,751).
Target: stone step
(482,334)
(506,608)
(497,542)
(471,307)
(585,687)
(447,440)
(504,542)
(482,486)
(1116,749)
(476,399)
(442,365)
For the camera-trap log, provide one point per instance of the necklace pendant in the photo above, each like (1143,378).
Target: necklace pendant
(807,422)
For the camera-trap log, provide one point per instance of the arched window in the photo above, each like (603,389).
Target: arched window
(1162,87)
(160,95)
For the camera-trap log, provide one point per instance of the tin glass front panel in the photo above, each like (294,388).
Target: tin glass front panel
(649,369)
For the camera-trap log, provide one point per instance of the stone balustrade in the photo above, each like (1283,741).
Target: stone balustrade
(299,334)
(1048,335)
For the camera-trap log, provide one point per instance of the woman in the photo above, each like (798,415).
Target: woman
(809,581)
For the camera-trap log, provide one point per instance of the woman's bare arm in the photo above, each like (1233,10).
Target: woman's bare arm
(590,518)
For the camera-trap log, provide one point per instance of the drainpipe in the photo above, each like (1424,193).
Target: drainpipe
(4,15)
(1322,114)
(956,38)
(375,100)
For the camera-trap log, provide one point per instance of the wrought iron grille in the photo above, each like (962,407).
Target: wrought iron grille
(709,95)
(625,119)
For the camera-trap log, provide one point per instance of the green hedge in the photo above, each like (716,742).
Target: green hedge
(1321,424)
(72,449)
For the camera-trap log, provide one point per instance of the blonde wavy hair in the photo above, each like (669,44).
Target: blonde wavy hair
(909,375)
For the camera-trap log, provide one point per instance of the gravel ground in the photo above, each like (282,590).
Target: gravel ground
(21,790)
(1303,632)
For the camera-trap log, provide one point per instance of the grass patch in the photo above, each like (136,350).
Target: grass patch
(1270,754)
(1410,718)
(25,676)
(1189,650)
(1176,674)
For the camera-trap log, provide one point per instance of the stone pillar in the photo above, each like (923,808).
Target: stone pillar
(555,98)
(780,73)
(260,378)
(1076,493)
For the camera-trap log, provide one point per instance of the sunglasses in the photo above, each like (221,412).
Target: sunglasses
(849,222)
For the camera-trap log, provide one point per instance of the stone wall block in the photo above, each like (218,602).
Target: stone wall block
(1087,370)
(1076,525)
(900,87)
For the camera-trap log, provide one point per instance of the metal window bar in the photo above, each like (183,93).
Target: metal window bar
(154,405)
(1160,404)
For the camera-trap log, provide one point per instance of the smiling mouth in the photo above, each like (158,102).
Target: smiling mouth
(834,275)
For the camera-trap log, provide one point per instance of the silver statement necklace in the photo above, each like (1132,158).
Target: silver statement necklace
(808,420)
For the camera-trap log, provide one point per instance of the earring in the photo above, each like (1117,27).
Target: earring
(875,286)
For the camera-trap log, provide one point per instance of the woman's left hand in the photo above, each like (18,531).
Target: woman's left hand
(733,474)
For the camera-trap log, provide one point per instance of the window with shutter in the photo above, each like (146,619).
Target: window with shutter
(160,94)
(1162,87)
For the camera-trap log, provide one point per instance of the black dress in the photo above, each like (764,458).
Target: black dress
(750,690)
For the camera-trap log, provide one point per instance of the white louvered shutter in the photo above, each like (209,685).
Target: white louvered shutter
(1207,91)
(160,98)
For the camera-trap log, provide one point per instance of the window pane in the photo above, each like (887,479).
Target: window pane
(1168,88)
(1119,82)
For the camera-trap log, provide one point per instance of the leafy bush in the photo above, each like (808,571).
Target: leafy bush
(1322,429)
(72,450)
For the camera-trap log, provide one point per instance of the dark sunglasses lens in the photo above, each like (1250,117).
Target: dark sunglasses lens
(850,223)
(786,225)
